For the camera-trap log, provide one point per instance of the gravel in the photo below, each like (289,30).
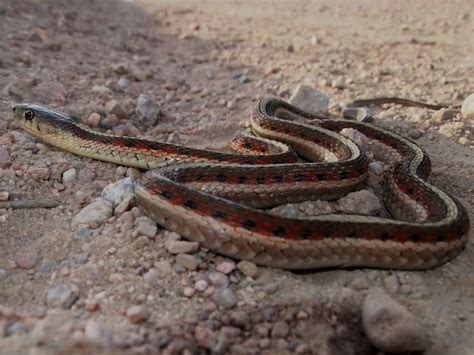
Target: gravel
(147,110)
(94,214)
(224,297)
(310,100)
(61,295)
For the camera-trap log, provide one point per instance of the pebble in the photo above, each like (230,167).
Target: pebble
(83,232)
(147,110)
(181,247)
(136,314)
(163,267)
(188,261)
(26,261)
(3,275)
(310,100)
(467,108)
(120,68)
(97,333)
(69,176)
(4,158)
(390,326)
(123,83)
(339,83)
(94,214)
(280,330)
(146,226)
(92,305)
(101,90)
(224,297)
(188,292)
(39,173)
(226,267)
(248,268)
(113,107)
(61,295)
(443,115)
(14,328)
(360,139)
(218,279)
(362,202)
(119,190)
(376,167)
(94,120)
(200,285)
(152,277)
(4,195)
(416,133)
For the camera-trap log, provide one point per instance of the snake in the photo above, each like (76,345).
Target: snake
(221,199)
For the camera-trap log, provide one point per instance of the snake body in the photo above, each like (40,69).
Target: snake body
(212,197)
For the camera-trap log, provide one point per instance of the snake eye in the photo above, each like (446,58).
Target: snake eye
(29,115)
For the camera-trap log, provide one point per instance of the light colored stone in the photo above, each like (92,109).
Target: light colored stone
(443,115)
(224,297)
(310,100)
(152,277)
(147,110)
(4,195)
(145,226)
(136,314)
(61,296)
(248,268)
(94,214)
(390,326)
(339,83)
(113,107)
(163,267)
(94,119)
(69,176)
(467,108)
(119,190)
(26,261)
(360,202)
(181,246)
(97,333)
(188,261)
(226,267)
(39,173)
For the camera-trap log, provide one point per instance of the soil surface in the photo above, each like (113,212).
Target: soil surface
(120,285)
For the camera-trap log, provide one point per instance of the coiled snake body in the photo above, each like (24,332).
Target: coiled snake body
(212,197)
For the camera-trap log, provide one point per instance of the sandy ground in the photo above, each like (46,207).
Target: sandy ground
(205,63)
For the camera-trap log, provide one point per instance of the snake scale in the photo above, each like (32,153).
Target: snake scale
(216,198)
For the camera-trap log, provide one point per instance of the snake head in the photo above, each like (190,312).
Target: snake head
(38,120)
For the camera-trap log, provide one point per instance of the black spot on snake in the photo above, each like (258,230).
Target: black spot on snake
(191,204)
(249,224)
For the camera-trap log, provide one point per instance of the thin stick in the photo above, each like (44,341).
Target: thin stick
(36,203)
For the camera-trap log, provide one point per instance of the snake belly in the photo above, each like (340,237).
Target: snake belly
(214,198)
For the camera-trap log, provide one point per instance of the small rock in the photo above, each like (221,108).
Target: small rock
(120,68)
(101,90)
(94,214)
(123,83)
(39,173)
(119,190)
(97,333)
(224,297)
(201,285)
(360,202)
(69,175)
(467,108)
(218,279)
(4,195)
(94,119)
(376,167)
(163,267)
(339,83)
(188,261)
(136,314)
(27,261)
(443,115)
(113,107)
(248,268)
(5,161)
(83,232)
(3,275)
(147,110)
(181,247)
(14,328)
(92,305)
(310,100)
(416,133)
(280,330)
(61,295)
(358,138)
(188,292)
(390,326)
(226,267)
(152,277)
(146,226)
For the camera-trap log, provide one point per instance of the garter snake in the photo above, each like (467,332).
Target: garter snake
(213,198)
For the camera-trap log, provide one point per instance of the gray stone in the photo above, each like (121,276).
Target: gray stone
(69,175)
(61,296)
(218,279)
(163,267)
(3,275)
(4,158)
(226,267)
(339,83)
(390,326)
(83,232)
(136,314)
(146,226)
(248,268)
(17,327)
(123,83)
(188,261)
(360,202)
(113,107)
(94,214)
(280,330)
(224,297)
(310,100)
(181,247)
(97,333)
(443,115)
(467,108)
(147,110)
(152,277)
(119,190)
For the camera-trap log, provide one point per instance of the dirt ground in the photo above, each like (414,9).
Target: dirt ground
(205,63)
